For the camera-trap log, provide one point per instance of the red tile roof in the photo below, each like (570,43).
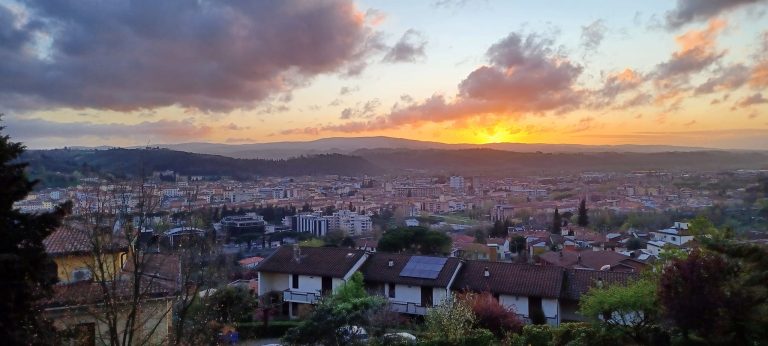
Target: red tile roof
(376,269)
(511,278)
(90,292)
(589,259)
(580,281)
(320,261)
(73,240)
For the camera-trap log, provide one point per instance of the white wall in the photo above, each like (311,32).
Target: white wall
(518,303)
(438,295)
(408,294)
(273,282)
(309,283)
(551,308)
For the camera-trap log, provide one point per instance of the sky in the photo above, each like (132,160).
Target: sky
(125,73)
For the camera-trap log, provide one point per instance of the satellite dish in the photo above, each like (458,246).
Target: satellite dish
(605,267)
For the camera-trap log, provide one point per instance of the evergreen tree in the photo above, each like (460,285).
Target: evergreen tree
(27,274)
(583,220)
(557,223)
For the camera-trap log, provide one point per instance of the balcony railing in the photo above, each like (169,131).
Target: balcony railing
(407,308)
(300,297)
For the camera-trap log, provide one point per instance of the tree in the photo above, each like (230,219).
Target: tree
(450,321)
(418,240)
(583,219)
(27,273)
(692,292)
(491,315)
(634,243)
(331,320)
(631,309)
(498,229)
(329,210)
(557,223)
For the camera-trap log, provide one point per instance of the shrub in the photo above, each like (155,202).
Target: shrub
(533,335)
(450,321)
(492,315)
(275,329)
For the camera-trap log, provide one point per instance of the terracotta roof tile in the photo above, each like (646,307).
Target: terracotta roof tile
(511,278)
(580,281)
(376,269)
(321,261)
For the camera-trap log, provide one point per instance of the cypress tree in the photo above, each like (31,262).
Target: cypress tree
(583,220)
(27,274)
(557,223)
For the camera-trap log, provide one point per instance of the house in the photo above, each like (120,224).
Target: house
(305,274)
(580,281)
(250,262)
(77,306)
(411,283)
(501,247)
(595,260)
(677,235)
(525,288)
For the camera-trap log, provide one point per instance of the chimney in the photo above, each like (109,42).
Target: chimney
(486,273)
(296,253)
(390,263)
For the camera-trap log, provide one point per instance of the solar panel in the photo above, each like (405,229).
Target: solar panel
(424,267)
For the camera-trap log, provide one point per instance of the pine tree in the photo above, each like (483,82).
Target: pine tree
(27,274)
(583,220)
(557,223)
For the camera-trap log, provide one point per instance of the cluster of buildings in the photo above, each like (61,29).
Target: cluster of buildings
(413,284)
(349,222)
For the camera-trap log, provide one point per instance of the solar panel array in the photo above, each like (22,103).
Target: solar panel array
(424,267)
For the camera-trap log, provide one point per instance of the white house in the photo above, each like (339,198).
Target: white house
(304,274)
(524,287)
(411,283)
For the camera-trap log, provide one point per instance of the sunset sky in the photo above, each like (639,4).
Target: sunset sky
(123,73)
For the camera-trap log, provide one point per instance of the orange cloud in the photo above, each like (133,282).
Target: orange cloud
(759,77)
(701,40)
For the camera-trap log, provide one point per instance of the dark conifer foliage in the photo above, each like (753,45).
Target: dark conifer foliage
(27,274)
(583,220)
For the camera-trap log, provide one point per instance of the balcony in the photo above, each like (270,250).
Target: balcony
(300,297)
(407,308)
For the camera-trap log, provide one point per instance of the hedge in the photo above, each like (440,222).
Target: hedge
(275,329)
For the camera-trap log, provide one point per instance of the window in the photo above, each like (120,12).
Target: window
(81,274)
(391,290)
(295,283)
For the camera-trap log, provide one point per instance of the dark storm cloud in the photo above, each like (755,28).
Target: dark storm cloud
(212,56)
(409,48)
(525,76)
(27,129)
(687,11)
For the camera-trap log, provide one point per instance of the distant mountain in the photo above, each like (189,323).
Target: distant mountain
(63,166)
(347,145)
(507,163)
(132,162)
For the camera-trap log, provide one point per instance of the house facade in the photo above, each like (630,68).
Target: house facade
(411,291)
(303,274)
(413,284)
